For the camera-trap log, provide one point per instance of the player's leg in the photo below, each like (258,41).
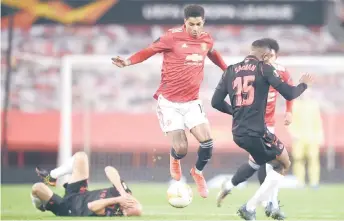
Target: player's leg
(78,181)
(313,164)
(299,163)
(202,134)
(263,170)
(197,122)
(273,201)
(262,173)
(172,123)
(244,172)
(264,151)
(179,150)
(77,166)
(80,168)
(40,194)
(281,165)
(44,199)
(267,204)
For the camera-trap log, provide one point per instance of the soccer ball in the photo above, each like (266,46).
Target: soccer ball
(179,195)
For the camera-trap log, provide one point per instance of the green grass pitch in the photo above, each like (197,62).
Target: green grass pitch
(325,203)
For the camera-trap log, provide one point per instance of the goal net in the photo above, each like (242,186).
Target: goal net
(107,108)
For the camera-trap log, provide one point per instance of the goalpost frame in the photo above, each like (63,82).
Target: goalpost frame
(65,138)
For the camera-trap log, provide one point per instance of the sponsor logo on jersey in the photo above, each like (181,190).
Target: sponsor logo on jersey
(194,58)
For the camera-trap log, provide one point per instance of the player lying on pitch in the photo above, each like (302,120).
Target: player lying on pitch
(78,200)
(247,83)
(246,170)
(184,51)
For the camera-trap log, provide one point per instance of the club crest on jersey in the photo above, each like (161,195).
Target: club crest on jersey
(184,45)
(204,46)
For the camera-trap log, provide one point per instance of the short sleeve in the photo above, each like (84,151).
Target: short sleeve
(271,75)
(164,43)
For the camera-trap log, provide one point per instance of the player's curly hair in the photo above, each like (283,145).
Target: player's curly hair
(273,44)
(193,11)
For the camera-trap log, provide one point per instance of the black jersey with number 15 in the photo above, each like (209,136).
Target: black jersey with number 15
(247,84)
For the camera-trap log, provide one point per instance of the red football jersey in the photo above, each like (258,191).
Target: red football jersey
(272,97)
(183,64)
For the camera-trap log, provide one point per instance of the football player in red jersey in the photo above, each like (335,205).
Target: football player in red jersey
(246,170)
(184,51)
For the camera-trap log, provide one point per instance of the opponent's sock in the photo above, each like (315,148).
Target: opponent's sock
(263,193)
(64,169)
(244,172)
(274,197)
(204,154)
(268,168)
(175,155)
(261,176)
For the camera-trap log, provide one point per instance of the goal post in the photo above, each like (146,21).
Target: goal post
(320,65)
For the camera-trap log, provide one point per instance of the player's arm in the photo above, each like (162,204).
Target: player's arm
(162,44)
(104,207)
(217,59)
(287,78)
(99,206)
(289,92)
(289,104)
(114,177)
(218,100)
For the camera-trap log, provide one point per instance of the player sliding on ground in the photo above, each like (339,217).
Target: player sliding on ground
(179,107)
(78,200)
(246,170)
(247,84)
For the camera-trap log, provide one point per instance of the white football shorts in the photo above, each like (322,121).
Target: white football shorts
(179,116)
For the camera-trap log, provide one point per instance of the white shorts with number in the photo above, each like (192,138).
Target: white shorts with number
(178,116)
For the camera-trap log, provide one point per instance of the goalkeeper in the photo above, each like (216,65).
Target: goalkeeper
(78,200)
(308,136)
